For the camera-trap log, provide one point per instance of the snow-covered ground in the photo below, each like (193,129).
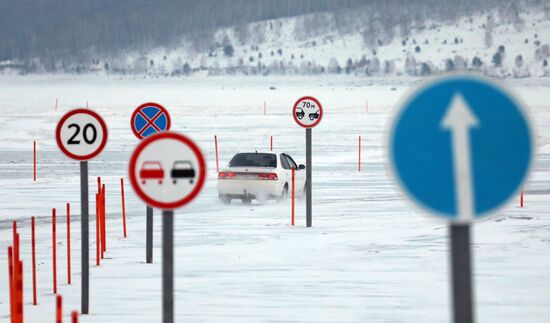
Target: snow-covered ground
(370,256)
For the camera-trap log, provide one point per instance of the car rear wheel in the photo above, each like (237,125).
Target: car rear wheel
(225,199)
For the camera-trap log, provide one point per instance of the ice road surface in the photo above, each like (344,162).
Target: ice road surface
(370,256)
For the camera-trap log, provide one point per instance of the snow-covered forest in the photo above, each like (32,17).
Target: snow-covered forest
(501,38)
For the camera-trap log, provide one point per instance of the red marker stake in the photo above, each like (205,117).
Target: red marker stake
(100,216)
(33,243)
(359,163)
(292,207)
(14,263)
(34,159)
(74,317)
(217,162)
(103,222)
(97,261)
(14,231)
(123,207)
(11,280)
(15,245)
(16,274)
(521,199)
(68,243)
(270,143)
(54,252)
(19,282)
(58,309)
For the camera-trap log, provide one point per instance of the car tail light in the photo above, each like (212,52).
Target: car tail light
(226,175)
(268,176)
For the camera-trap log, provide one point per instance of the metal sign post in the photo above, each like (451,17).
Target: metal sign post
(81,134)
(85,237)
(168,266)
(461,147)
(167,170)
(148,119)
(149,235)
(461,268)
(307,113)
(308,179)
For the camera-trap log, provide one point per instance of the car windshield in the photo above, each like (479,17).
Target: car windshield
(254,160)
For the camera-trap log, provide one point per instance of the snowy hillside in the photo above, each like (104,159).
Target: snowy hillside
(430,48)
(510,41)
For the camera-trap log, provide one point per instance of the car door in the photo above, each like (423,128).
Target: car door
(286,171)
(299,175)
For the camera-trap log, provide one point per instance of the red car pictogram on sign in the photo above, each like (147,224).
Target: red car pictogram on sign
(151,170)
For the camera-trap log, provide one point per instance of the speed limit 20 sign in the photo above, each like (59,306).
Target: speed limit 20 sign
(81,134)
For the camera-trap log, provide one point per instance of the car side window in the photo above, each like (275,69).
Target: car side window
(291,162)
(284,162)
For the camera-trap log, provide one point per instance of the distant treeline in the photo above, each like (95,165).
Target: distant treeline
(76,30)
(61,28)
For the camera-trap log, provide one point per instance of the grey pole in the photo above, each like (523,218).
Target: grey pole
(167,266)
(461,273)
(84,230)
(308,178)
(149,236)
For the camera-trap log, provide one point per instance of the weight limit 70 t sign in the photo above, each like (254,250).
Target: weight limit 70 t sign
(81,134)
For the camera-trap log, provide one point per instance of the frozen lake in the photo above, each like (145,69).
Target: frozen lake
(370,256)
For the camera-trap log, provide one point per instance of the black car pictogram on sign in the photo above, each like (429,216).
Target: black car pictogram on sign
(314,115)
(182,169)
(300,113)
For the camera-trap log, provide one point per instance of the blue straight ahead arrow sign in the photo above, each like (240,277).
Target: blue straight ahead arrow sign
(461,147)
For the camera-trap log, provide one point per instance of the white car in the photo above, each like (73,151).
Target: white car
(260,176)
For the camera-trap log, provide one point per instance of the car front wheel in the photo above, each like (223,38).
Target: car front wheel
(284,194)
(304,192)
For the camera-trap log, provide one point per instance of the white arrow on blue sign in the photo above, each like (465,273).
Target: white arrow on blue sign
(461,147)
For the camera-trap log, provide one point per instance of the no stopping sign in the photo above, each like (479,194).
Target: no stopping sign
(81,134)
(149,119)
